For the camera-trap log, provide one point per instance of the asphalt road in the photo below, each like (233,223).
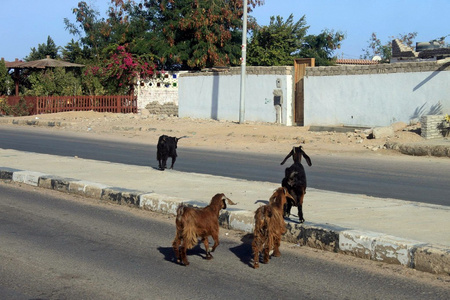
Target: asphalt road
(419,179)
(58,246)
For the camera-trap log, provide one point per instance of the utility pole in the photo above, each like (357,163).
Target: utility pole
(243,63)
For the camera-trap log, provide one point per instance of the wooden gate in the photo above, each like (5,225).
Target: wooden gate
(300,65)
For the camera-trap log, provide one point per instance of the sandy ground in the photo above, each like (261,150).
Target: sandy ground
(253,137)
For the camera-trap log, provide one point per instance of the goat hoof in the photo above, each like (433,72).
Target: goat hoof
(255,266)
(302,220)
(276,254)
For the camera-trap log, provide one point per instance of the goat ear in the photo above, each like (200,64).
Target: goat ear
(289,196)
(308,160)
(228,200)
(289,155)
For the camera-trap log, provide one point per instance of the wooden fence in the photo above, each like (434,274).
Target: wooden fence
(54,104)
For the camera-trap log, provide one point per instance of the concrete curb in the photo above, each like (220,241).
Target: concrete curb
(36,122)
(367,245)
(417,149)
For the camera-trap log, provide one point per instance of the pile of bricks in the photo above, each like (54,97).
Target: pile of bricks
(155,108)
(431,126)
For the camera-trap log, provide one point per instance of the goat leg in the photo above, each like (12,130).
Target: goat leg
(208,253)
(300,207)
(266,254)
(256,249)
(216,242)
(176,246)
(184,256)
(276,250)
(287,209)
(174,158)
(300,214)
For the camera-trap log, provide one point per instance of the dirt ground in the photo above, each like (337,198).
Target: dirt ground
(256,137)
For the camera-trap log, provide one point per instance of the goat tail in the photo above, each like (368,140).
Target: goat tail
(262,216)
(186,226)
(190,236)
(180,212)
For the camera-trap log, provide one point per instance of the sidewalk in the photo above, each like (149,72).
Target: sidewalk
(412,234)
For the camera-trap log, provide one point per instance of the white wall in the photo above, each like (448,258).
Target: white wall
(217,96)
(366,96)
(375,99)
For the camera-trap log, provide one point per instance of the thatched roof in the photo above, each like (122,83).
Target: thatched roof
(42,64)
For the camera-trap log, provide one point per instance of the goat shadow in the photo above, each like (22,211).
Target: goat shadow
(158,169)
(244,250)
(169,255)
(290,219)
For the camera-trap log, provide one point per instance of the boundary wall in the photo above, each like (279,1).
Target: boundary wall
(376,95)
(216,94)
(159,95)
(366,96)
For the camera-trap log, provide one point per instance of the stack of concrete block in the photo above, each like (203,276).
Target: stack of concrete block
(430,126)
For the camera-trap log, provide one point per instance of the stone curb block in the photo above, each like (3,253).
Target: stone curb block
(362,244)
(316,236)
(28,177)
(86,188)
(241,220)
(7,173)
(159,203)
(379,247)
(432,259)
(55,183)
(121,196)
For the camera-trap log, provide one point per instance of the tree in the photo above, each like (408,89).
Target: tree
(5,78)
(321,47)
(73,53)
(281,42)
(92,31)
(377,48)
(120,71)
(55,81)
(193,34)
(50,49)
(275,44)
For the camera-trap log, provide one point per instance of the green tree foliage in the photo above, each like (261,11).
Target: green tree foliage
(321,47)
(43,50)
(5,78)
(277,43)
(190,34)
(73,53)
(384,50)
(53,82)
(280,42)
(92,31)
(176,33)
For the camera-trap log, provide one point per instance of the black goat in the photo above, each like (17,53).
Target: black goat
(167,147)
(295,181)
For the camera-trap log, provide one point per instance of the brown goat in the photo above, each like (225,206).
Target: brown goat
(269,226)
(192,223)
